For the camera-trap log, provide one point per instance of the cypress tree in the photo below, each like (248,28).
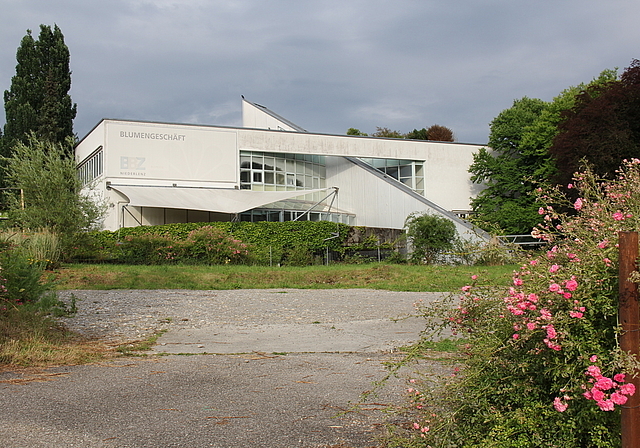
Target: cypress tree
(38,101)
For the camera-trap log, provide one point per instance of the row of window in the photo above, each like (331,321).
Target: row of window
(286,172)
(258,215)
(92,167)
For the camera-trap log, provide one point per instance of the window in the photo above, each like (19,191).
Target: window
(409,172)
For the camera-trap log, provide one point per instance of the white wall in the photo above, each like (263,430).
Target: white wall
(91,142)
(254,117)
(177,153)
(375,202)
(447,181)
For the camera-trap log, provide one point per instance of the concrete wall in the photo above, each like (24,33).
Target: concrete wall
(177,153)
(376,202)
(255,117)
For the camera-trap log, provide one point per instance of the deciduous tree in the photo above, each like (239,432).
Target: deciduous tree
(417,134)
(52,197)
(602,128)
(440,133)
(387,133)
(519,159)
(505,205)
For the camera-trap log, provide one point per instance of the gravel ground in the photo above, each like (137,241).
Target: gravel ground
(248,398)
(126,315)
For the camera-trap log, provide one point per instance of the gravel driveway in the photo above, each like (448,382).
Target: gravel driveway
(125,315)
(247,397)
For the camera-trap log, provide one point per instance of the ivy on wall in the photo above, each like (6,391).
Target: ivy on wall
(267,242)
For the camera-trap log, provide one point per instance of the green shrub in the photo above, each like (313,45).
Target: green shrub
(297,256)
(266,242)
(150,248)
(429,235)
(51,188)
(21,277)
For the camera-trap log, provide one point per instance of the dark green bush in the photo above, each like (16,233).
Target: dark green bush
(430,235)
(21,277)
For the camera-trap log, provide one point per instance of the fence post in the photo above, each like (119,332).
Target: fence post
(629,315)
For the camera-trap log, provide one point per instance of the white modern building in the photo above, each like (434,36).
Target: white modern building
(270,169)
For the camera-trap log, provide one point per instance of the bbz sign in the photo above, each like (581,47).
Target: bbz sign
(132,163)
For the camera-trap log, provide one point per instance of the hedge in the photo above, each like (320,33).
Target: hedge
(292,242)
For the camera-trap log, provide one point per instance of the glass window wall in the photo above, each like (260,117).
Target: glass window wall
(409,172)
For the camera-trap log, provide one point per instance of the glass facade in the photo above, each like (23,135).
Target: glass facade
(262,171)
(409,172)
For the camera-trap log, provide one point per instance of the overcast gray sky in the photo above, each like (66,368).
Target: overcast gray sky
(325,65)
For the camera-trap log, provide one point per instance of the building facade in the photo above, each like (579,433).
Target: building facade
(270,169)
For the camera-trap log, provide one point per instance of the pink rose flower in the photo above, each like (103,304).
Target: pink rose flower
(619,377)
(560,405)
(594,371)
(578,204)
(628,389)
(554,287)
(618,216)
(554,268)
(571,285)
(545,314)
(517,281)
(606,405)
(597,394)
(604,383)
(618,398)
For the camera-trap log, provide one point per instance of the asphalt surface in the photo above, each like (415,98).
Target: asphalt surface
(272,384)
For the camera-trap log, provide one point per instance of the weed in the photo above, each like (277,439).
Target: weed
(135,348)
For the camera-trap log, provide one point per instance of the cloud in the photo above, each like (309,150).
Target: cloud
(327,65)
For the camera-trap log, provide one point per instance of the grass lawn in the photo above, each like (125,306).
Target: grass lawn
(391,277)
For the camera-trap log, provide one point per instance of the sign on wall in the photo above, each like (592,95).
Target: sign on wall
(171,152)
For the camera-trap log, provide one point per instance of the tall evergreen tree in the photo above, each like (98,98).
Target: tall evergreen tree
(38,100)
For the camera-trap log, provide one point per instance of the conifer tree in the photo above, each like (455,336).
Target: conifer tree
(38,101)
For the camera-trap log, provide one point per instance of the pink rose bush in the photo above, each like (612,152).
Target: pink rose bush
(542,365)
